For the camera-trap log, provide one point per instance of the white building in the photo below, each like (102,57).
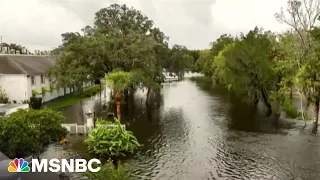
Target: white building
(22,76)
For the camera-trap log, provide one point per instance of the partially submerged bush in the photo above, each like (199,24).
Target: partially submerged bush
(108,142)
(28,130)
(109,172)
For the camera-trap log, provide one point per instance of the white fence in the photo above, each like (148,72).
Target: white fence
(74,128)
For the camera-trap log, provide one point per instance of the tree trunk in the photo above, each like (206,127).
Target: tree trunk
(118,103)
(256,99)
(148,95)
(316,111)
(266,102)
(291,95)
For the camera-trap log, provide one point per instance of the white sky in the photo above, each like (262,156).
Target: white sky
(38,24)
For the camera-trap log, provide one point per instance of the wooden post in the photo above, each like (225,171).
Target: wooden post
(118,103)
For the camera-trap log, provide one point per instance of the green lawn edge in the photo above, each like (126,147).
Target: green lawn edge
(72,99)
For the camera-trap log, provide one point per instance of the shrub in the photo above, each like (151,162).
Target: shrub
(28,130)
(109,172)
(35,102)
(3,96)
(107,142)
(290,110)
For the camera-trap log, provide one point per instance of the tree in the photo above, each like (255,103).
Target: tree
(122,38)
(140,42)
(180,60)
(205,61)
(301,16)
(220,43)
(118,81)
(245,67)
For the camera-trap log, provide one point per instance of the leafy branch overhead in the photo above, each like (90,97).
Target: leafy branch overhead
(121,38)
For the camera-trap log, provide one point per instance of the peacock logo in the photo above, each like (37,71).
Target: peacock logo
(19,165)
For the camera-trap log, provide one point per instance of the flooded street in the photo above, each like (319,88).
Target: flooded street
(202,133)
(195,131)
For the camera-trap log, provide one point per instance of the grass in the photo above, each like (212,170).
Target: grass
(72,99)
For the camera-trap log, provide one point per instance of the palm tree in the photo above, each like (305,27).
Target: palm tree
(118,81)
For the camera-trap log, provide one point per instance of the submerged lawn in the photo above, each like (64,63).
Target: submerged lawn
(72,99)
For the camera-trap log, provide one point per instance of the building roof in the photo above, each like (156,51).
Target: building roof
(25,64)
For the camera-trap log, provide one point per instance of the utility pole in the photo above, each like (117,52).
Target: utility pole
(0,40)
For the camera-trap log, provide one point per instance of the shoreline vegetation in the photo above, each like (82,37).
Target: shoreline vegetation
(289,112)
(71,99)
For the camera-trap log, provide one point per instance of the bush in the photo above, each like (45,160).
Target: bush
(290,110)
(107,142)
(35,102)
(109,172)
(3,96)
(28,130)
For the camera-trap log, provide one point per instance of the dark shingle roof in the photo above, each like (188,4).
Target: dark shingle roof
(25,64)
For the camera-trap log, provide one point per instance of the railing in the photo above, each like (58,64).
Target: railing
(74,128)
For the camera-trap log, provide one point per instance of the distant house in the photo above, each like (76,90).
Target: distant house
(24,76)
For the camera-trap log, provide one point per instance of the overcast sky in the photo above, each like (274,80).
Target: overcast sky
(38,24)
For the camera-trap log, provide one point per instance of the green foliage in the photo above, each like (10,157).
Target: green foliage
(122,38)
(36,92)
(92,91)
(119,80)
(107,142)
(29,130)
(218,45)
(71,99)
(180,60)
(290,110)
(246,66)
(205,61)
(109,172)
(3,96)
(45,89)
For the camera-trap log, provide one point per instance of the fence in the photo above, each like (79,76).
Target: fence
(74,128)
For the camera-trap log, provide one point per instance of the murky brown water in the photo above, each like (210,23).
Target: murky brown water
(195,131)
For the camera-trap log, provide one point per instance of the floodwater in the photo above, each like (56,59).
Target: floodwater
(196,131)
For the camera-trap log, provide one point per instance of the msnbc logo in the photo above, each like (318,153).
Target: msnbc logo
(54,165)
(18,165)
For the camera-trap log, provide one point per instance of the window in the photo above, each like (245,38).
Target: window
(42,79)
(33,80)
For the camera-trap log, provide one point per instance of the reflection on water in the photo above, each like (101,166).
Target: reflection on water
(195,131)
(202,132)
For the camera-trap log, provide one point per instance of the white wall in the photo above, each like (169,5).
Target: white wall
(15,86)
(47,96)
(19,87)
